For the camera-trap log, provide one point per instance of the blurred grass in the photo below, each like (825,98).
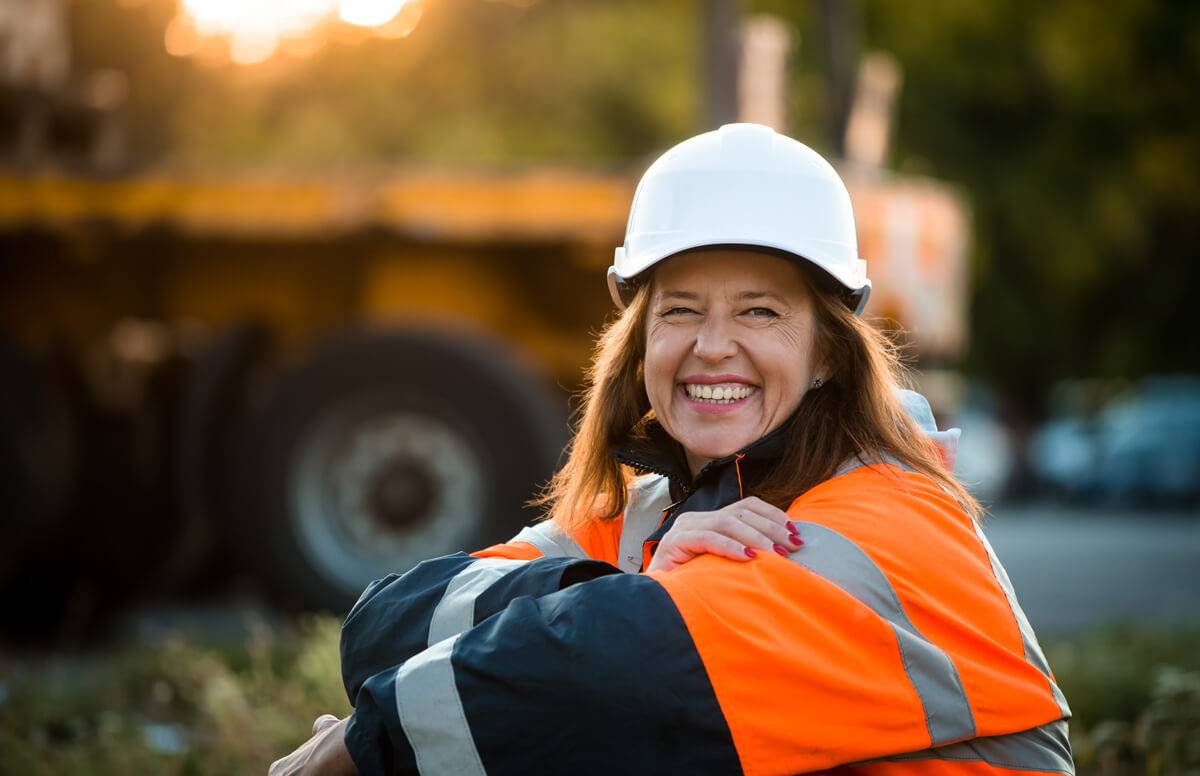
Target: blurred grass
(1135,694)
(178,707)
(184,707)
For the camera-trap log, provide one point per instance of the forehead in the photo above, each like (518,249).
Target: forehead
(724,271)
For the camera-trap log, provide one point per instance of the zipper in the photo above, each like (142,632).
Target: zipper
(642,467)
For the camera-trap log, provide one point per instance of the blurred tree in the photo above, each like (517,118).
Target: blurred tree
(107,34)
(476,83)
(1075,130)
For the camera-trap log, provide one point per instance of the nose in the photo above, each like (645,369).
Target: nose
(714,341)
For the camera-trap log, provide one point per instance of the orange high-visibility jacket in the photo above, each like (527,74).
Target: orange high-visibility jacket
(891,643)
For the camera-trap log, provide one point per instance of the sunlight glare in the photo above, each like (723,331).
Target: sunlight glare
(254,30)
(369,13)
(402,23)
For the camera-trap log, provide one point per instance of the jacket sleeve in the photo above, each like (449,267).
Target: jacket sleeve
(398,616)
(774,666)
(599,677)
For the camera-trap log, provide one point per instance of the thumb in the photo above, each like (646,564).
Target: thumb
(322,722)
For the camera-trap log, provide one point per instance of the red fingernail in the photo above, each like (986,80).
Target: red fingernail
(796,540)
(792,527)
(751,553)
(779,548)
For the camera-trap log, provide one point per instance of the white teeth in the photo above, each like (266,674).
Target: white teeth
(720,394)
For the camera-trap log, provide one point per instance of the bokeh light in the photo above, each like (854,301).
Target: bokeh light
(252,31)
(403,22)
(369,13)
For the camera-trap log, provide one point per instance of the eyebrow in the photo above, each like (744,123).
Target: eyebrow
(690,296)
(750,296)
(745,296)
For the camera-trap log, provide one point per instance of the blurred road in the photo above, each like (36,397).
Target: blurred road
(1076,569)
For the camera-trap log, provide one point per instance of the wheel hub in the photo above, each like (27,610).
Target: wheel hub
(380,487)
(401,494)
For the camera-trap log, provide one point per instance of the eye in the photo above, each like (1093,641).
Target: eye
(677,311)
(762,312)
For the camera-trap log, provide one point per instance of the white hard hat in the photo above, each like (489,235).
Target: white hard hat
(743,184)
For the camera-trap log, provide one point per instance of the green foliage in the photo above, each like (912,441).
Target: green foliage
(1136,699)
(176,708)
(1074,128)
(476,84)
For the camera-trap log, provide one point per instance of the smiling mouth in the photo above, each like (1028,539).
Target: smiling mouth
(724,393)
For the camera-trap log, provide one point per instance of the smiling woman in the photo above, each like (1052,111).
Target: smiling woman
(727,358)
(739,405)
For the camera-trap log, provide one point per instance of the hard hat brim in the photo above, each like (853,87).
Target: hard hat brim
(622,288)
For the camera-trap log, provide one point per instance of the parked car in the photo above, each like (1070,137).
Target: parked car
(1140,449)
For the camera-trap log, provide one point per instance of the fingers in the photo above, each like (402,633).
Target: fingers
(322,722)
(775,531)
(737,532)
(739,527)
(324,753)
(778,524)
(700,542)
(760,507)
(751,521)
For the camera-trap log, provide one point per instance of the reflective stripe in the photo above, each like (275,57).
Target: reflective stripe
(1045,749)
(835,558)
(857,462)
(432,714)
(455,613)
(1029,642)
(551,540)
(649,497)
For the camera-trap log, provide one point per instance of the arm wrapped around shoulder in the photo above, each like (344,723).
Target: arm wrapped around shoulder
(400,615)
(601,676)
(889,635)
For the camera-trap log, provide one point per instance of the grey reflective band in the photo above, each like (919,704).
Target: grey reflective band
(1045,749)
(551,540)
(857,462)
(455,613)
(835,558)
(1029,642)
(432,714)
(648,498)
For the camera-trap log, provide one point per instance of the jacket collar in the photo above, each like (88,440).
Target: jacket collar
(649,449)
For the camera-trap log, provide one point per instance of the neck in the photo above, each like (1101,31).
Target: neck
(649,448)
(696,462)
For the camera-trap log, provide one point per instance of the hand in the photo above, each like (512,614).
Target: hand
(738,532)
(325,753)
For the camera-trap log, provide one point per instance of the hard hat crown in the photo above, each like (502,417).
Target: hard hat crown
(742,184)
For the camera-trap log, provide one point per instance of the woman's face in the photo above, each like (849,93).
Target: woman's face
(729,348)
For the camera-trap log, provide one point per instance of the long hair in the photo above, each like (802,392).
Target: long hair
(856,412)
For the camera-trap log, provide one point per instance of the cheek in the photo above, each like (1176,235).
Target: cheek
(660,366)
(787,366)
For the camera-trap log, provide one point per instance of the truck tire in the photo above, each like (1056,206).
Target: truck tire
(39,483)
(383,449)
(215,391)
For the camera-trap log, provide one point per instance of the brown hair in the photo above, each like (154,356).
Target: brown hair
(856,412)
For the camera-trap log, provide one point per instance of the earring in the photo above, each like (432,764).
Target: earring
(817,383)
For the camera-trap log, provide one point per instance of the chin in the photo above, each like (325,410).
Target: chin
(715,446)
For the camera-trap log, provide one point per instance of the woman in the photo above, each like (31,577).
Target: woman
(757,558)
